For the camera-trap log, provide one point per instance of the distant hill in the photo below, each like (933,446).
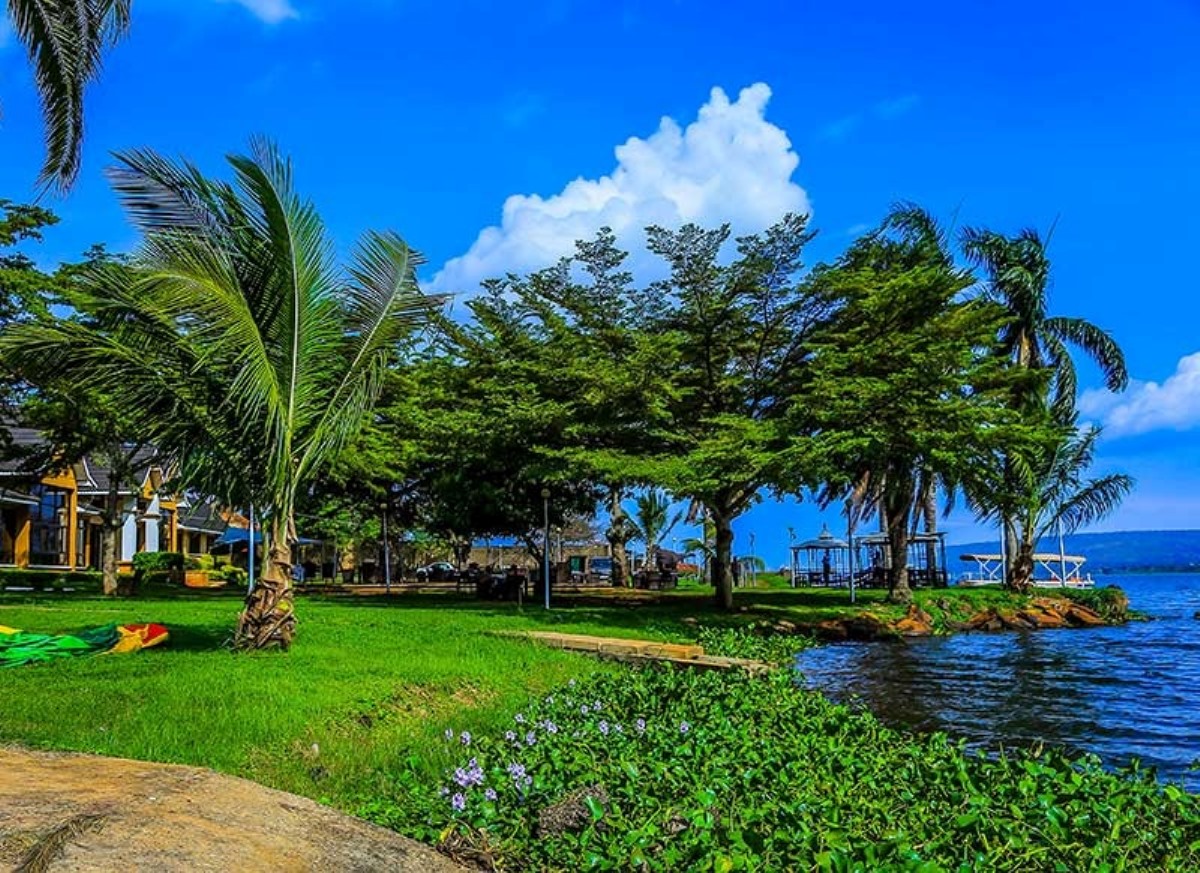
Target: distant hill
(1134,551)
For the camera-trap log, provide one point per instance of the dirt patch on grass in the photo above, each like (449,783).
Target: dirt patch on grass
(86,813)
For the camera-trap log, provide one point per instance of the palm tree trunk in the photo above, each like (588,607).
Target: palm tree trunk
(110,530)
(268,619)
(929,508)
(1020,574)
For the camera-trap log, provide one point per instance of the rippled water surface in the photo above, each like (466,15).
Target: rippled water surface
(1121,692)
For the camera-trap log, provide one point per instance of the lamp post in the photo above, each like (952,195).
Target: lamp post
(546,546)
(753,565)
(387,555)
(249,551)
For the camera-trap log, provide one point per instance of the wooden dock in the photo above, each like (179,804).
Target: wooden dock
(640,651)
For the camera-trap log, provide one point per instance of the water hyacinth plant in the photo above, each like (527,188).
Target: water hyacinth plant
(711,771)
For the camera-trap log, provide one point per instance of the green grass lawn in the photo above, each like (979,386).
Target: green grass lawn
(368,681)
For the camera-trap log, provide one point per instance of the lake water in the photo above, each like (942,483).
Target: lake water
(1121,692)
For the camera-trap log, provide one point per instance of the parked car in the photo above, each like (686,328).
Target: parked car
(438,571)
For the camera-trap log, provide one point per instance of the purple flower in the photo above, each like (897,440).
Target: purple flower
(617,727)
(516,771)
(465,738)
(489,793)
(472,774)
(583,710)
(449,734)
(640,724)
(596,706)
(510,736)
(458,802)
(528,781)
(684,727)
(531,739)
(603,726)
(551,727)
(444,791)
(519,718)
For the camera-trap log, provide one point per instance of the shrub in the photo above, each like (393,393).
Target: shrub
(688,770)
(737,642)
(50,580)
(149,562)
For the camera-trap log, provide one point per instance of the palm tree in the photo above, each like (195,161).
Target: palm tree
(1017,271)
(653,521)
(65,41)
(1041,492)
(238,346)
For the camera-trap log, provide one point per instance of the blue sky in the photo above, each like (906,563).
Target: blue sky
(490,136)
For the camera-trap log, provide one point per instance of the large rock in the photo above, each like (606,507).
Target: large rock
(864,627)
(86,814)
(1078,615)
(916,623)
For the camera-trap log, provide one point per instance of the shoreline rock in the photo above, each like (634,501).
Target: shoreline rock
(1041,613)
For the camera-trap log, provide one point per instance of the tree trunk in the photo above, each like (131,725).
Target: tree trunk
(1020,574)
(929,509)
(722,569)
(898,512)
(109,552)
(1012,546)
(268,619)
(616,536)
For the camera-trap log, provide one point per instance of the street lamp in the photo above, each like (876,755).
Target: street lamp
(753,565)
(546,546)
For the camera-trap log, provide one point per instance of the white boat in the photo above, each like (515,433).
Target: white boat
(1051,570)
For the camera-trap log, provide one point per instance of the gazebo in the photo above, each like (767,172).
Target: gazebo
(824,561)
(926,559)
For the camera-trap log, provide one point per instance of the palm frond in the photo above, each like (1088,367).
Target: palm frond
(65,43)
(1096,343)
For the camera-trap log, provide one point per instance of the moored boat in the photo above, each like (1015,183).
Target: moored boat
(1051,570)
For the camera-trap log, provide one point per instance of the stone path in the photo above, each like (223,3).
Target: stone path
(67,812)
(680,654)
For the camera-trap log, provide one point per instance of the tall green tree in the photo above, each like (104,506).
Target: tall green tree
(241,350)
(66,41)
(903,385)
(25,290)
(1017,274)
(683,383)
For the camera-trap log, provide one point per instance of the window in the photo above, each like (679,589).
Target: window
(8,539)
(48,529)
(166,530)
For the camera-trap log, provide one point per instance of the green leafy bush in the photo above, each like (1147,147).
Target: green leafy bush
(736,642)
(689,770)
(154,562)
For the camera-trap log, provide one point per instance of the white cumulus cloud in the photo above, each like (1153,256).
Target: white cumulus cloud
(1149,406)
(729,165)
(270,11)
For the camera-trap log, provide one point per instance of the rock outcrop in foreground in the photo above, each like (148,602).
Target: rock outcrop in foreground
(85,813)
